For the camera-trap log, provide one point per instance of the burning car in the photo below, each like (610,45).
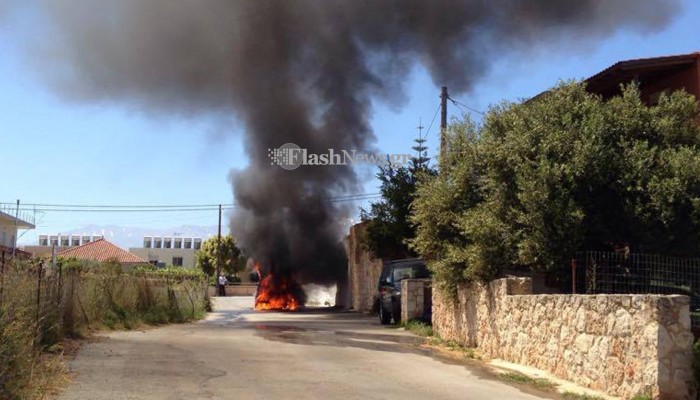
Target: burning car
(278,290)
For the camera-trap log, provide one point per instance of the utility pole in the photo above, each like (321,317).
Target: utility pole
(443,122)
(14,240)
(218,255)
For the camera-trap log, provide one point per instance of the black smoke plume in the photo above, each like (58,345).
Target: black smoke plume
(303,72)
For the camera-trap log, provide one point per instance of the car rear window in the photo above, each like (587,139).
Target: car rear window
(410,271)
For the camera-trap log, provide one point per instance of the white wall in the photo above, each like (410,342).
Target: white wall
(7,232)
(166,255)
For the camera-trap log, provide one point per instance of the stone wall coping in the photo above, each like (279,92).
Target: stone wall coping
(675,297)
(681,298)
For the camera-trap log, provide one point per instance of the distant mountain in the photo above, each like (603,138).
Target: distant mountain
(132,236)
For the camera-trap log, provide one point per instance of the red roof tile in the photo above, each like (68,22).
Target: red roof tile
(101,250)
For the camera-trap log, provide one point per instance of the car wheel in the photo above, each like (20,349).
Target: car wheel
(396,313)
(384,318)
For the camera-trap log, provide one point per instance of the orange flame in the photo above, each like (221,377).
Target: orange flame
(275,293)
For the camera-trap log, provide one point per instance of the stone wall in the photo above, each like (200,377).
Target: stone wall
(622,345)
(236,290)
(363,271)
(414,299)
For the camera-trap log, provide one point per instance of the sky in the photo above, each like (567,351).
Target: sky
(58,152)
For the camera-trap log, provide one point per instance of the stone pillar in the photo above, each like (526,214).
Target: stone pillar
(362,273)
(675,348)
(413,298)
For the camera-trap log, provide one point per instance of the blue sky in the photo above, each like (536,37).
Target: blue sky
(52,151)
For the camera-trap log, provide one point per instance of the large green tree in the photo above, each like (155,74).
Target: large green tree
(231,257)
(540,180)
(388,227)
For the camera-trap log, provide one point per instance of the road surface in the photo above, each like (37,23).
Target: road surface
(237,353)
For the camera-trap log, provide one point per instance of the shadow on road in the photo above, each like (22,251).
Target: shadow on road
(302,334)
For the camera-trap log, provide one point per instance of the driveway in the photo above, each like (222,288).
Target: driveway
(237,353)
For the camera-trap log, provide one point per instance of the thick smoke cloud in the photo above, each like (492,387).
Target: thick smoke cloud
(304,72)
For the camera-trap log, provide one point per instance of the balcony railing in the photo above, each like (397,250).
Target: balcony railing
(24,215)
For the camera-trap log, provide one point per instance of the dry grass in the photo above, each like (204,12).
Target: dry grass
(39,311)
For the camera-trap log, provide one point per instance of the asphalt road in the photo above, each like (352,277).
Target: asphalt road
(237,353)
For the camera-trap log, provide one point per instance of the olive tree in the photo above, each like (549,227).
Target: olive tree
(567,171)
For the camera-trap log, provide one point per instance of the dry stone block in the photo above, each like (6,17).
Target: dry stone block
(620,344)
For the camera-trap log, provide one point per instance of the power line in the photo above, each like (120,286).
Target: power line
(358,199)
(163,206)
(122,206)
(111,208)
(458,104)
(119,210)
(354,197)
(178,218)
(437,110)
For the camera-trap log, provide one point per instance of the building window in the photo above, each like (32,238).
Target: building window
(197,244)
(76,241)
(178,243)
(167,244)
(54,242)
(157,244)
(177,261)
(64,242)
(147,243)
(42,242)
(188,244)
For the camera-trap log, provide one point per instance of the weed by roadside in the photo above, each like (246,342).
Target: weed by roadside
(641,397)
(579,396)
(517,377)
(467,352)
(418,327)
(425,330)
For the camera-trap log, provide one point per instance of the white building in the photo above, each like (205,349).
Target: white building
(169,250)
(66,241)
(60,242)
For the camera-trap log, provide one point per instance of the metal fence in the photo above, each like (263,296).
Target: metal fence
(595,272)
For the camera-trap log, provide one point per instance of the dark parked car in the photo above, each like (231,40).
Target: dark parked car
(389,287)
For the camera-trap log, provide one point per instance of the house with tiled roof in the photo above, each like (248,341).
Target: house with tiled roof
(102,250)
(655,76)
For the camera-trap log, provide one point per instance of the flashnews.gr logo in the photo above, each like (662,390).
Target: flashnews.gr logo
(290,156)
(286,156)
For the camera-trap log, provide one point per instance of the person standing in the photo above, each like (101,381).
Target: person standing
(222,285)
